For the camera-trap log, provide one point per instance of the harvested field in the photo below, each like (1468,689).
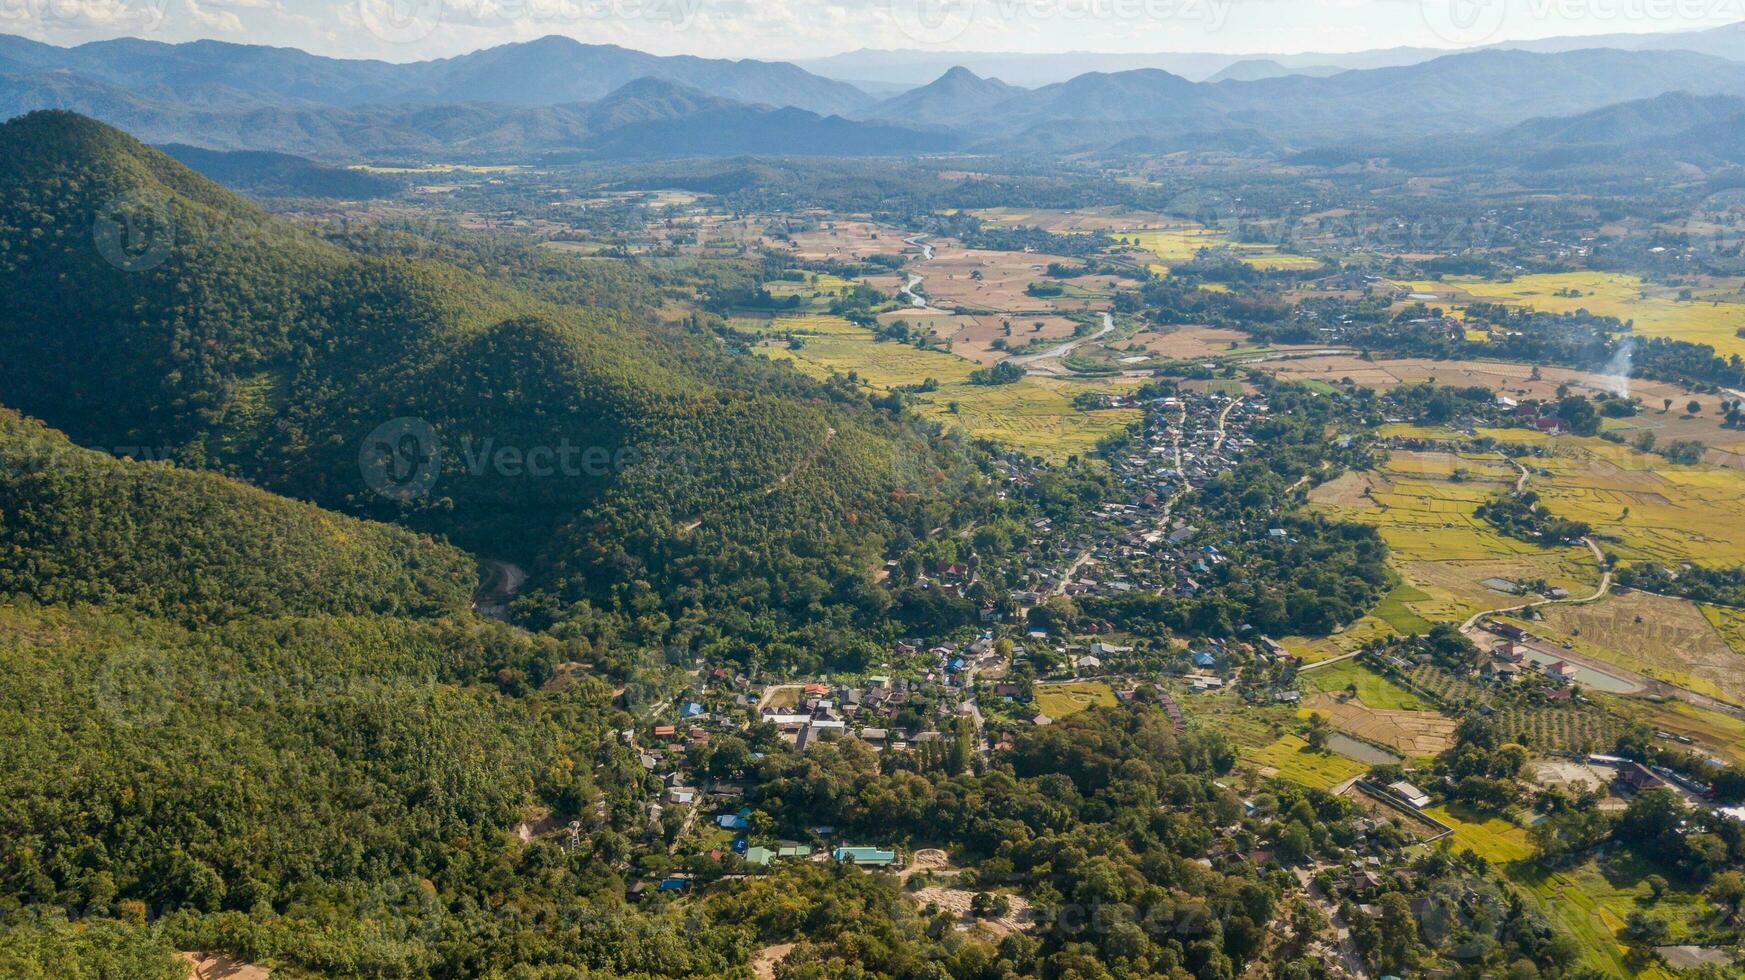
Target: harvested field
(1003,278)
(1195,343)
(846,241)
(1668,639)
(972,336)
(1412,733)
(1111,220)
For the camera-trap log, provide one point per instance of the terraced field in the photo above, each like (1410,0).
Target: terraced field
(1643,506)
(1592,902)
(1729,624)
(1442,551)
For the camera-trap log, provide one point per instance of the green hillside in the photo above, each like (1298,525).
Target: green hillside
(626,461)
(78,526)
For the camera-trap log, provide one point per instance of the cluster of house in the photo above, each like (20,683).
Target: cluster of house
(869,709)
(1512,659)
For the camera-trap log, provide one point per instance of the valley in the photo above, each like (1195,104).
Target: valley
(563,511)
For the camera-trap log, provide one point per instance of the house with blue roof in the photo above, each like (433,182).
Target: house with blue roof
(866,857)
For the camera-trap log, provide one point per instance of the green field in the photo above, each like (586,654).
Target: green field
(1394,611)
(1492,838)
(1035,415)
(805,325)
(1373,689)
(1291,758)
(1591,902)
(1061,700)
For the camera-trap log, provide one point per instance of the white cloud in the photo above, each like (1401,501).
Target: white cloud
(402,30)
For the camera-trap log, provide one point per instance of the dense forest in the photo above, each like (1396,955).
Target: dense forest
(646,481)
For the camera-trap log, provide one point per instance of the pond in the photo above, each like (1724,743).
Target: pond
(1364,752)
(1587,677)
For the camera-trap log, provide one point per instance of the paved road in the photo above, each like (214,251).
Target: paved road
(1349,957)
(908,291)
(1600,593)
(1223,424)
(1041,363)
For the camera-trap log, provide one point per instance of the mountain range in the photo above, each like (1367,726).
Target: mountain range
(549,71)
(909,68)
(556,99)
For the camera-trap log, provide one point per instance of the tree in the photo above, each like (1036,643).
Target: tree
(1398,931)
(1695,407)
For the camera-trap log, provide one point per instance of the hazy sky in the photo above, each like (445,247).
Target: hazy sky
(404,30)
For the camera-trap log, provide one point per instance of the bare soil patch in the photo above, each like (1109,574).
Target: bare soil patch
(1413,733)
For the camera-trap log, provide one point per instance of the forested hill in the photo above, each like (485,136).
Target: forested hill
(79,526)
(632,464)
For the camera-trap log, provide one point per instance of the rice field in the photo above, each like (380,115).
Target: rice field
(1059,701)
(1442,551)
(1592,901)
(1729,624)
(1667,639)
(1491,837)
(810,325)
(880,364)
(1712,318)
(1035,415)
(1394,611)
(1289,758)
(1644,507)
